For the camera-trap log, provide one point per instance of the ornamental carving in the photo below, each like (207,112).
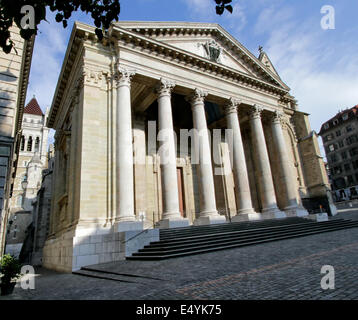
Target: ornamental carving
(278,117)
(255,112)
(93,77)
(213,50)
(231,106)
(165,87)
(124,76)
(198,96)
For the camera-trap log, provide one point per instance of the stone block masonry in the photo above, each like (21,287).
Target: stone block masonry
(69,253)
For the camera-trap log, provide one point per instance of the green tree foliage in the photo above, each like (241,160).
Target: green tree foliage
(103,13)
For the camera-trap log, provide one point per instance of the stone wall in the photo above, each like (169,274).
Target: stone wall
(68,253)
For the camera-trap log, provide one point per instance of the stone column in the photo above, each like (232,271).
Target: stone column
(291,205)
(208,212)
(124,153)
(167,152)
(281,148)
(243,194)
(266,186)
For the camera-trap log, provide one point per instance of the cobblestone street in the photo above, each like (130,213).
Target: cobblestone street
(287,269)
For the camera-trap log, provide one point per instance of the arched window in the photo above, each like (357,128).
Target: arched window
(37,144)
(29,144)
(22,148)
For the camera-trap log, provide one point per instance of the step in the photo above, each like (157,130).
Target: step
(241,225)
(217,242)
(114,276)
(182,242)
(164,255)
(178,238)
(230,227)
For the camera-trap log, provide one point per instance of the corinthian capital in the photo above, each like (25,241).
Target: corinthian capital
(165,87)
(231,106)
(198,96)
(255,112)
(277,117)
(124,76)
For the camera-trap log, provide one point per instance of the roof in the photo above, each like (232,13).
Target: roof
(144,34)
(33,107)
(353,111)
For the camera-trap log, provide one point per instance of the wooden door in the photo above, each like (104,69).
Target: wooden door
(181,192)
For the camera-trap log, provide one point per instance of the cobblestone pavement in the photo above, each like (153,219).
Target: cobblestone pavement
(287,269)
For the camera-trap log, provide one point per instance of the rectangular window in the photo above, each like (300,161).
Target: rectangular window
(341,144)
(338,133)
(344,155)
(353,152)
(347,167)
(338,170)
(355,164)
(350,179)
(349,128)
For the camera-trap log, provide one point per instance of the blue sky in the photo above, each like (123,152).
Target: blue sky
(320,66)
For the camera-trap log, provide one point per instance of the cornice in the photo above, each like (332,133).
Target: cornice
(183,29)
(23,81)
(83,34)
(133,41)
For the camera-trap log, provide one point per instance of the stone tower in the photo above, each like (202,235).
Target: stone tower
(31,162)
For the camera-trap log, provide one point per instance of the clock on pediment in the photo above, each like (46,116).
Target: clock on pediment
(213,50)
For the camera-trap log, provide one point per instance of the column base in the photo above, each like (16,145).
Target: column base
(247,217)
(296,211)
(173,223)
(127,226)
(319,217)
(245,211)
(214,219)
(273,213)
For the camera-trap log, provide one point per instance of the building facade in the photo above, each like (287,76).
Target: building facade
(32,160)
(340,140)
(166,124)
(41,212)
(14,75)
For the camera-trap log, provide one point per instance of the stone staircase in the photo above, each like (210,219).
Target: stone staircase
(177,242)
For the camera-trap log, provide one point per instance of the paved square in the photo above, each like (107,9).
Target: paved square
(287,269)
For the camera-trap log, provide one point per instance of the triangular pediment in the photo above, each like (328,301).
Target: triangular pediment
(209,41)
(263,57)
(210,49)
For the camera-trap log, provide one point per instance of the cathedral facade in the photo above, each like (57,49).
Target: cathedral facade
(165,124)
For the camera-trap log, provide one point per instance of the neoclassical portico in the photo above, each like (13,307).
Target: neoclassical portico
(161,80)
(167,155)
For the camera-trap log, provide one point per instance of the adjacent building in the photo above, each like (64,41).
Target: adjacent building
(32,160)
(14,75)
(340,139)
